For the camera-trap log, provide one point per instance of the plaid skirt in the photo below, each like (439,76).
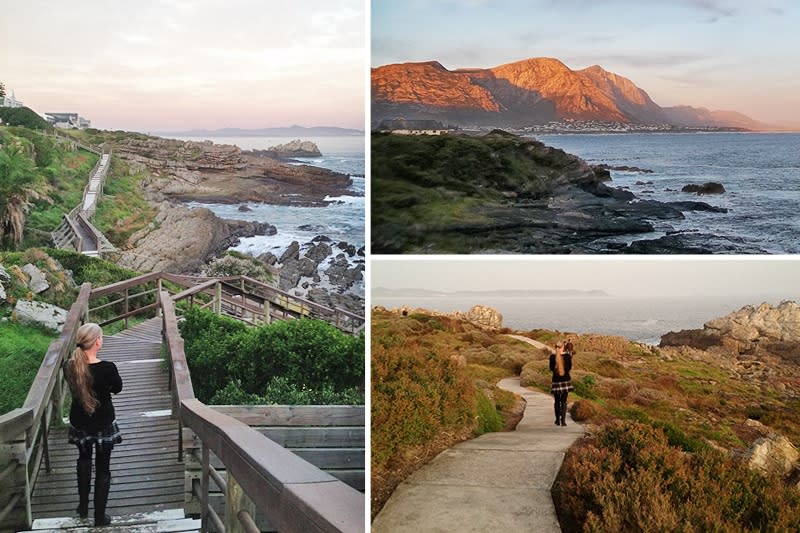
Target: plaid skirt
(105,438)
(561,386)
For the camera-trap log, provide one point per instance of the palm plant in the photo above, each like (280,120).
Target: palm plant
(17,173)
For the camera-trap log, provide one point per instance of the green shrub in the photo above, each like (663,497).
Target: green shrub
(586,387)
(304,361)
(489,419)
(23,116)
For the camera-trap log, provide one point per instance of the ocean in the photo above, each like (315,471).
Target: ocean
(342,220)
(639,319)
(760,172)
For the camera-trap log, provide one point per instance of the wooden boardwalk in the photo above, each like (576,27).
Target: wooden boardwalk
(145,473)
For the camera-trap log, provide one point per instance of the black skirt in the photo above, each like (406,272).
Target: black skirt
(105,438)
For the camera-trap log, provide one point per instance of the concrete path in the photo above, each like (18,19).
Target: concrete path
(498,481)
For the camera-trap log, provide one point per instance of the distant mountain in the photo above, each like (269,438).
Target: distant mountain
(532,91)
(290,131)
(700,116)
(382,292)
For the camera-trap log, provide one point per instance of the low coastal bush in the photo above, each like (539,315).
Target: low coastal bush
(629,477)
(304,361)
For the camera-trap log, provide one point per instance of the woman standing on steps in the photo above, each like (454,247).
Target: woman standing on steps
(560,365)
(92,423)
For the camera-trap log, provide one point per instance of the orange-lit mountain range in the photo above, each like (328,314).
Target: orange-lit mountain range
(532,91)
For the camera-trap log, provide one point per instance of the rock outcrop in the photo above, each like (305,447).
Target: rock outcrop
(211,173)
(38,281)
(290,150)
(749,331)
(40,314)
(480,315)
(706,188)
(182,240)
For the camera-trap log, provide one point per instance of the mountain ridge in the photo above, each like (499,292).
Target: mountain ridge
(527,92)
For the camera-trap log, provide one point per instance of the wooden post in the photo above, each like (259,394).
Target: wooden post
(158,309)
(125,307)
(236,500)
(15,485)
(204,492)
(266,311)
(218,298)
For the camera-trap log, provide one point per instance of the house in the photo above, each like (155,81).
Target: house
(400,126)
(68,120)
(10,101)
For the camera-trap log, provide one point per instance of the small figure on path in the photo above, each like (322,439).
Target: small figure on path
(569,347)
(560,365)
(91,417)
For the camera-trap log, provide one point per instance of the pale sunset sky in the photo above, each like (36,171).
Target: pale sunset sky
(740,55)
(168,65)
(629,277)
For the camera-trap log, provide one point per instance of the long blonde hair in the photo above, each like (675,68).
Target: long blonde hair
(77,368)
(560,359)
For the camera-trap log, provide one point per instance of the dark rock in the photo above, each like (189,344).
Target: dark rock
(695,338)
(243,208)
(706,188)
(697,206)
(268,258)
(319,252)
(321,238)
(311,227)
(292,252)
(624,168)
(341,274)
(692,243)
(349,249)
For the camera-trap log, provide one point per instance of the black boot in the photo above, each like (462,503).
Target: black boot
(84,486)
(563,412)
(102,484)
(557,408)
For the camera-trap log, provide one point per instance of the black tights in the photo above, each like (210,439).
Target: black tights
(102,462)
(102,478)
(560,405)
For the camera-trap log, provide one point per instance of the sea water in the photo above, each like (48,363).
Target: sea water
(760,173)
(643,319)
(341,220)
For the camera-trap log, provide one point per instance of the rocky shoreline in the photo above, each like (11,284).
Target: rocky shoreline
(563,205)
(185,241)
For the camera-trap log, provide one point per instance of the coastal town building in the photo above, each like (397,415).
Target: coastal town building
(400,126)
(10,101)
(67,120)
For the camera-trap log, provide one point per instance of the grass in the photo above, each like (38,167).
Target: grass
(118,220)
(22,349)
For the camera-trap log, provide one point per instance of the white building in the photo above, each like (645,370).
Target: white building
(10,101)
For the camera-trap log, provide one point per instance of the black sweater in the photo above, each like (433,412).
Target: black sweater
(567,368)
(105,380)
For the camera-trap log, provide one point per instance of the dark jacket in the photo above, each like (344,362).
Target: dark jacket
(567,368)
(105,381)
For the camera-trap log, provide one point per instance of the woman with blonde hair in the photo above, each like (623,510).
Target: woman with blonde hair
(93,426)
(560,365)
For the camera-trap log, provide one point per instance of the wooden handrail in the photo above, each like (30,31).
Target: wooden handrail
(127,284)
(293,494)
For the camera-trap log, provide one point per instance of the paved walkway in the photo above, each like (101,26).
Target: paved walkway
(498,481)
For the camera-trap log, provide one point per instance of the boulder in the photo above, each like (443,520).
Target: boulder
(485,316)
(773,454)
(4,275)
(2,292)
(706,188)
(38,281)
(319,252)
(292,252)
(40,314)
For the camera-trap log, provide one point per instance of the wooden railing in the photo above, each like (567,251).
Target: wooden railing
(262,476)
(24,431)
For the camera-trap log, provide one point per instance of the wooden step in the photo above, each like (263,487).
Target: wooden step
(167,521)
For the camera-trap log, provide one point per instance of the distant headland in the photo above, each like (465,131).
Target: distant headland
(287,131)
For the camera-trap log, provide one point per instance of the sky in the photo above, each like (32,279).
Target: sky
(687,277)
(170,65)
(741,55)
